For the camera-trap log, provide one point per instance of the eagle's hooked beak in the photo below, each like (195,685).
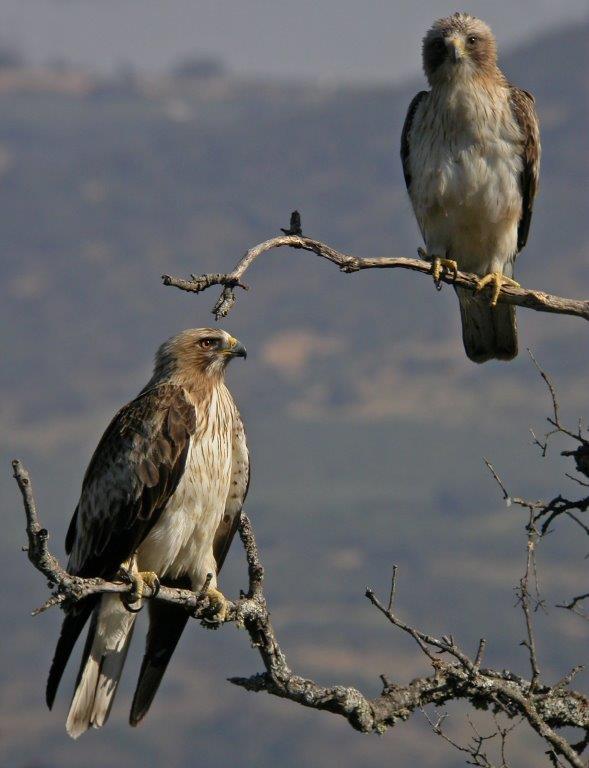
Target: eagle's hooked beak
(235,348)
(455,45)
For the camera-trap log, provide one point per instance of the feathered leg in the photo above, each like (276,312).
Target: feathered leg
(72,626)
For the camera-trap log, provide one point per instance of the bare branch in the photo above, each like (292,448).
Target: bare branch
(550,385)
(475,750)
(522,297)
(554,420)
(569,677)
(445,645)
(393,586)
(572,477)
(480,652)
(572,605)
(509,499)
(546,709)
(524,599)
(548,511)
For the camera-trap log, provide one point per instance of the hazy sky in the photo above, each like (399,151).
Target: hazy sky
(335,39)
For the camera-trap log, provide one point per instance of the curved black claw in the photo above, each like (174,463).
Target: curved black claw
(128,601)
(209,624)
(156,586)
(124,574)
(133,610)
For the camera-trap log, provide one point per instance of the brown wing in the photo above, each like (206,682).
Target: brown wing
(522,106)
(132,474)
(238,488)
(407,125)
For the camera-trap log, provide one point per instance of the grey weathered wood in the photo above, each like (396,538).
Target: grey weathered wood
(521,297)
(455,675)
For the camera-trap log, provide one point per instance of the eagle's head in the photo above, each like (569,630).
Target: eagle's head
(196,353)
(459,47)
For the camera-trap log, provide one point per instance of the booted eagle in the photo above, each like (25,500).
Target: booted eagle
(471,157)
(161,498)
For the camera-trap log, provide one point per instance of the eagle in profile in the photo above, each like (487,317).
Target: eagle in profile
(471,157)
(161,499)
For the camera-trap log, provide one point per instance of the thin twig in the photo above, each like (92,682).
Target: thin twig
(554,420)
(524,597)
(480,652)
(392,592)
(572,605)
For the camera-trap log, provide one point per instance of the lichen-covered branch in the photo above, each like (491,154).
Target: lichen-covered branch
(455,675)
(293,238)
(67,588)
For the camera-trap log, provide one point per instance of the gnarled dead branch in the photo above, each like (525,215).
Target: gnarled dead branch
(293,238)
(455,674)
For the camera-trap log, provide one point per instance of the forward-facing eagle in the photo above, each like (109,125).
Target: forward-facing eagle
(161,498)
(471,156)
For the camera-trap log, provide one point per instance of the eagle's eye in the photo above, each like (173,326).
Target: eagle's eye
(207,343)
(472,39)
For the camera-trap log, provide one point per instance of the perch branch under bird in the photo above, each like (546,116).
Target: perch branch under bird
(294,238)
(455,675)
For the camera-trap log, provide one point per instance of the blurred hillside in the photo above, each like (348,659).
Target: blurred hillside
(367,424)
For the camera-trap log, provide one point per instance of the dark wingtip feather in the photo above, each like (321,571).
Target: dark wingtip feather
(149,682)
(71,628)
(166,624)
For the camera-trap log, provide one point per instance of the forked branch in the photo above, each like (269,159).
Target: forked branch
(455,675)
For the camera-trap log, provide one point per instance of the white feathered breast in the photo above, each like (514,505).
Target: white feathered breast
(465,169)
(181,542)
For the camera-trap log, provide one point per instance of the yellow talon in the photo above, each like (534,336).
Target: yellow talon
(139,579)
(217,605)
(498,281)
(439,263)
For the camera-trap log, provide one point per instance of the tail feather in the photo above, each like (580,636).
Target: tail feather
(166,624)
(72,626)
(487,332)
(101,667)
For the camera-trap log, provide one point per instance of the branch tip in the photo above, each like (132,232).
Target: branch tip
(295,227)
